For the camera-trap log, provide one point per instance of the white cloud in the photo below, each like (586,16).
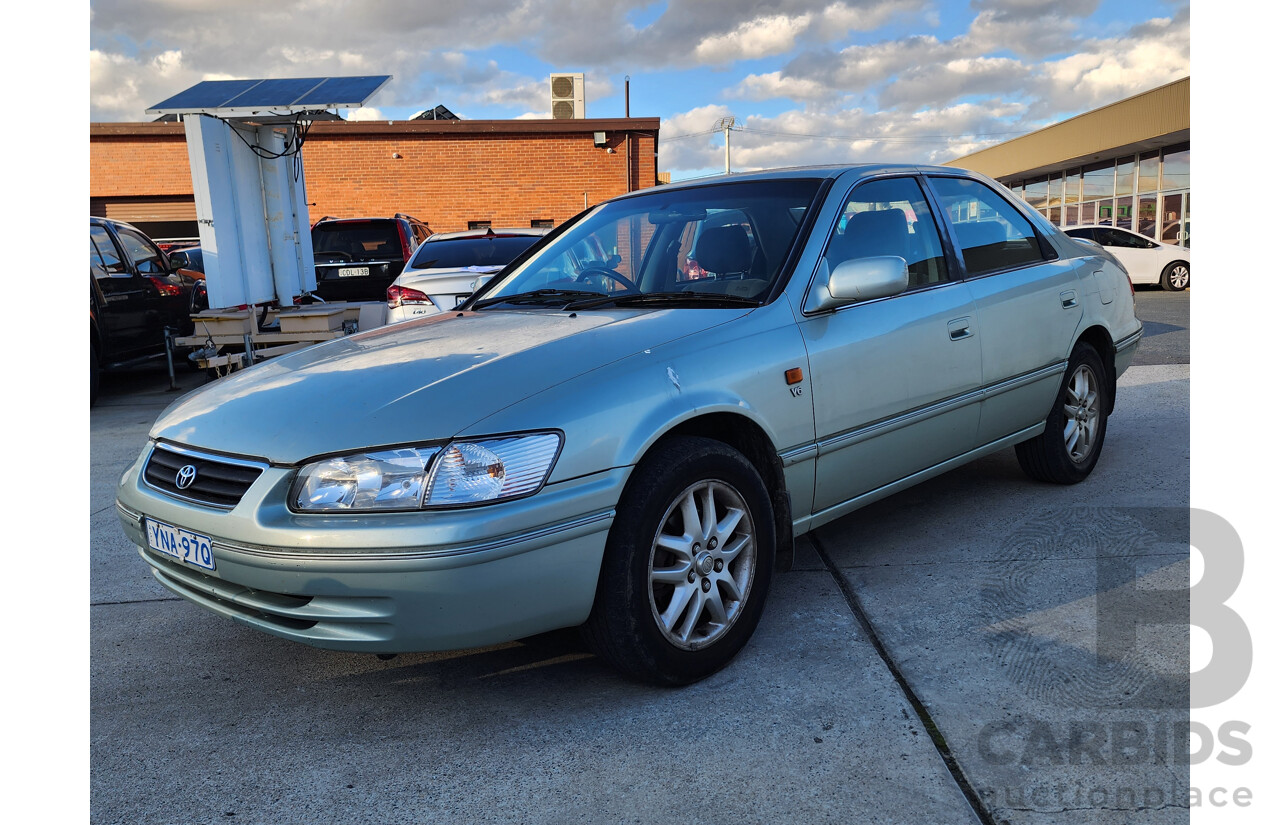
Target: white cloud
(803,137)
(775,85)
(366,113)
(761,37)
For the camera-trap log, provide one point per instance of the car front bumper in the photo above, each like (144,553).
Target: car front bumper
(388,583)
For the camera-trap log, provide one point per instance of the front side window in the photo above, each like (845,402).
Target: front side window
(890,217)
(992,234)
(724,242)
(1122,239)
(145,256)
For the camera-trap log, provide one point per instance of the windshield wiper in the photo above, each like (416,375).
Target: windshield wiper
(641,299)
(536,296)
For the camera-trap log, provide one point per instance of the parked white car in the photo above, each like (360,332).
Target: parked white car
(1148,261)
(449,266)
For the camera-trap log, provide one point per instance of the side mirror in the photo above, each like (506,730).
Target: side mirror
(861,279)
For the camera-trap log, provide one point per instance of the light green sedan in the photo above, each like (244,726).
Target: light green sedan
(627,428)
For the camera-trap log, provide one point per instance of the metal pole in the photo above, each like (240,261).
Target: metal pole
(727,170)
(168,354)
(627,95)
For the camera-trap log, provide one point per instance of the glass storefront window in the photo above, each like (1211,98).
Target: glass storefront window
(1186,222)
(1055,191)
(1055,215)
(1124,212)
(1106,212)
(1171,219)
(1176,173)
(1147,215)
(1072,193)
(1071,215)
(1088,213)
(1037,193)
(1124,177)
(1099,181)
(1149,172)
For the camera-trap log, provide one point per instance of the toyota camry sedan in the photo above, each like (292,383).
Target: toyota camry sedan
(610,437)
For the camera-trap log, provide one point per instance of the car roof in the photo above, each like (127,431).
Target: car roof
(498,232)
(827,171)
(365,220)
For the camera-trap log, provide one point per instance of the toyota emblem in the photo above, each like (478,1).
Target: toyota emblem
(186,477)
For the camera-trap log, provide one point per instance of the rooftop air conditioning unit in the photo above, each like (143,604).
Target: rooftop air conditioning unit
(568,96)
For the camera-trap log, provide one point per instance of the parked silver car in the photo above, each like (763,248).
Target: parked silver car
(631,444)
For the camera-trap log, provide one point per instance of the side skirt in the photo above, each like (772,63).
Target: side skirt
(804,525)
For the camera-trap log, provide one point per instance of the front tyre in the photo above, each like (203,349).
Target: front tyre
(687,566)
(1176,276)
(1068,449)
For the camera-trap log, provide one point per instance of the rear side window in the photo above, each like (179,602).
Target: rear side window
(991,232)
(358,240)
(890,217)
(459,253)
(102,252)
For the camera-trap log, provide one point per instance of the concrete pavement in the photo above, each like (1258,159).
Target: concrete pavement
(979,617)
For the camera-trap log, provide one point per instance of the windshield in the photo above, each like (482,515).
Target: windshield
(357,241)
(724,241)
(457,253)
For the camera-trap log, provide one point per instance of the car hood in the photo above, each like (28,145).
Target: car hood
(416,381)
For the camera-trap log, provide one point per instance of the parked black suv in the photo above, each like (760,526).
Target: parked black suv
(134,293)
(358,258)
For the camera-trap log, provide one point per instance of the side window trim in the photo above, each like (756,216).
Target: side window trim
(1047,250)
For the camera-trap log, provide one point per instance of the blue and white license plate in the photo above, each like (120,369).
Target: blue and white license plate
(179,544)
(353,271)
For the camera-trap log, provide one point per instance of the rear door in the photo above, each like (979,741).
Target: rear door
(1029,303)
(122,313)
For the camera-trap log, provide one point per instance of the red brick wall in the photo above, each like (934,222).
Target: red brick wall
(507,177)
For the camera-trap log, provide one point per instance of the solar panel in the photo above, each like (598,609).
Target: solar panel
(272,95)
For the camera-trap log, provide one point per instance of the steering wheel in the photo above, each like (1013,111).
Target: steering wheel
(603,272)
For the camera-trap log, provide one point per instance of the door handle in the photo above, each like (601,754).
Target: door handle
(959,329)
(1068,299)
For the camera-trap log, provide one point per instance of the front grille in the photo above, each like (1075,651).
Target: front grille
(219,482)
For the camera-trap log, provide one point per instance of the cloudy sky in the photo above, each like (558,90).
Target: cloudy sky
(808,81)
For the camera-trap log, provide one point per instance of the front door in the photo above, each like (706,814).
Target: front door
(895,379)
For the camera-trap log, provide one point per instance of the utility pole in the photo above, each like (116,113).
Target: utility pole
(725,124)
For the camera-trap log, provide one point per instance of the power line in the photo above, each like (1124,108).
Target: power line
(842,138)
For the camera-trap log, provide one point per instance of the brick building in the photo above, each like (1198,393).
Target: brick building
(450,173)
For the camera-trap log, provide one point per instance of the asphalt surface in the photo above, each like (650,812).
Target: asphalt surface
(974,649)
(1166,326)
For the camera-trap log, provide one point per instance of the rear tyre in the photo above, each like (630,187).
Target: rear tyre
(1068,449)
(1176,276)
(687,565)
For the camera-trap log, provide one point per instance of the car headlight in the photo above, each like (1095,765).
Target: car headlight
(474,471)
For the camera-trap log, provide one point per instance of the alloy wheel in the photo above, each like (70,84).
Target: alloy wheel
(702,564)
(1082,413)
